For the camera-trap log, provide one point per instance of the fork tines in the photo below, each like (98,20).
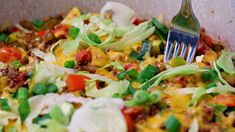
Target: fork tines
(183,43)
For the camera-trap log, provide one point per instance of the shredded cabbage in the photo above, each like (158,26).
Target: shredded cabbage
(181,70)
(50,73)
(226,63)
(113,87)
(42,104)
(122,14)
(194,126)
(6,116)
(99,115)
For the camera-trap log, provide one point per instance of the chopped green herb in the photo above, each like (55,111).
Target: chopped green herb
(73,32)
(94,38)
(69,64)
(4,105)
(155,97)
(131,89)
(173,124)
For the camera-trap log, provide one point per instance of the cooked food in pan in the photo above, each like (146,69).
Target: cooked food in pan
(104,72)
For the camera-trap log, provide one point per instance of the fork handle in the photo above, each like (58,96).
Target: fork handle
(186,8)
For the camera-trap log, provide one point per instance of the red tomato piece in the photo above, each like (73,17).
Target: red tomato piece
(9,54)
(129,122)
(61,30)
(227,100)
(76,82)
(137,21)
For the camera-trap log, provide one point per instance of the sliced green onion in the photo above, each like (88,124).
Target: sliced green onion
(132,73)
(69,64)
(23,94)
(4,105)
(140,97)
(16,64)
(73,32)
(24,110)
(94,38)
(3,37)
(131,89)
(39,89)
(148,73)
(173,124)
(38,23)
(155,97)
(52,88)
(121,75)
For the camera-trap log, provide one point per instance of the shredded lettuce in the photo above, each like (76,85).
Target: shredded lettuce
(116,65)
(48,57)
(122,14)
(42,104)
(181,70)
(194,126)
(99,115)
(50,73)
(225,62)
(6,116)
(50,125)
(198,92)
(138,34)
(113,87)
(70,46)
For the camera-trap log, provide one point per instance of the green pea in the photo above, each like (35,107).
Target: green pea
(69,64)
(73,32)
(23,94)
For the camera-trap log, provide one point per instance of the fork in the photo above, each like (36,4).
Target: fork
(184,34)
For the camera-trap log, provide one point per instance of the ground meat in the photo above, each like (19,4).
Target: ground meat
(207,113)
(91,69)
(27,25)
(15,79)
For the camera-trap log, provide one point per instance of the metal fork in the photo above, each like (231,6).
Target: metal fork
(183,34)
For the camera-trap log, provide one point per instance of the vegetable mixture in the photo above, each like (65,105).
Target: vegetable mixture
(104,72)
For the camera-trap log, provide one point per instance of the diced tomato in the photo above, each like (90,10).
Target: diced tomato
(14,29)
(129,122)
(201,47)
(132,65)
(137,21)
(61,30)
(9,54)
(83,56)
(86,21)
(227,100)
(41,33)
(76,82)
(208,40)
(133,111)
